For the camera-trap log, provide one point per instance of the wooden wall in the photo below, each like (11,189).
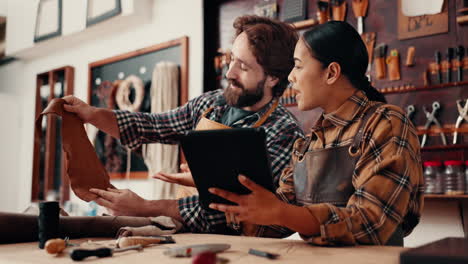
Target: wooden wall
(382,19)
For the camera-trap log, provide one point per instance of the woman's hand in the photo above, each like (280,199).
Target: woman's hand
(183,178)
(259,207)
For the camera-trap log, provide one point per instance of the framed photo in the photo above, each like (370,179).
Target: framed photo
(100,10)
(48,20)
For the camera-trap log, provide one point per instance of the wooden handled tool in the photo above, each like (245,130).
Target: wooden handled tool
(360,10)
(57,245)
(124,242)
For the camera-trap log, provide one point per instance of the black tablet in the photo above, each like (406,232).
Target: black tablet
(217,157)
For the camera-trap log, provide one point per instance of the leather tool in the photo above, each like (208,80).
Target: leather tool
(438,58)
(338,9)
(380,53)
(462,115)
(410,109)
(450,53)
(410,56)
(369,40)
(124,242)
(460,53)
(322,12)
(360,10)
(80,254)
(431,118)
(192,250)
(393,62)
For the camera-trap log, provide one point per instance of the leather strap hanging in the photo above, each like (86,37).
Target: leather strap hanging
(82,164)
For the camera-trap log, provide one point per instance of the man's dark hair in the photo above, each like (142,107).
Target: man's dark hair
(272,43)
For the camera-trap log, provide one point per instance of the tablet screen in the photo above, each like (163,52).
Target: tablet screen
(217,157)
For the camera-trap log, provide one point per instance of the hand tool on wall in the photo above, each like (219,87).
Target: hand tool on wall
(80,254)
(393,62)
(410,56)
(379,60)
(338,9)
(192,250)
(369,40)
(360,10)
(431,118)
(460,52)
(410,109)
(462,115)
(124,242)
(450,53)
(322,12)
(438,58)
(57,245)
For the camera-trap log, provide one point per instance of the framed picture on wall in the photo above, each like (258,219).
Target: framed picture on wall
(48,20)
(100,10)
(125,82)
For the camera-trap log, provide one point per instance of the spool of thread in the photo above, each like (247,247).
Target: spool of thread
(48,222)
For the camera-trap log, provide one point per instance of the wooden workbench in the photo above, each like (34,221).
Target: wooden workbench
(291,251)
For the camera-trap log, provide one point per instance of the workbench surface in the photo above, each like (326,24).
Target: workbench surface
(291,251)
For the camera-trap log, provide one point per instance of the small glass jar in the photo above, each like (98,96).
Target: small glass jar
(454,177)
(433,177)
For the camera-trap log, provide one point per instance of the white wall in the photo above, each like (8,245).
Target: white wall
(170,19)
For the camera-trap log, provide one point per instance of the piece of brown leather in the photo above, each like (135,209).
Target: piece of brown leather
(17,228)
(393,62)
(82,164)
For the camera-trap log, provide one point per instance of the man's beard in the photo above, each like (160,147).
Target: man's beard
(247,97)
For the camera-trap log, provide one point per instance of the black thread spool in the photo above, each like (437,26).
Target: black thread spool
(48,222)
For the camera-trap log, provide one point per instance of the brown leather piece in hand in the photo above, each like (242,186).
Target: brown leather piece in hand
(82,165)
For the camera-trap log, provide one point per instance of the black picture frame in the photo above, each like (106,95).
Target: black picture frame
(42,14)
(113,11)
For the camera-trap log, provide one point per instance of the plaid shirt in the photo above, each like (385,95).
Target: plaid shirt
(281,130)
(388,178)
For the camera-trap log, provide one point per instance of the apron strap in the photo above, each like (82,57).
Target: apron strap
(354,148)
(267,114)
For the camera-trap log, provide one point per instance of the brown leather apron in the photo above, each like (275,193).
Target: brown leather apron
(325,175)
(207,124)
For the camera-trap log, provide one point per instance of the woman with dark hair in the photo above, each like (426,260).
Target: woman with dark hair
(357,178)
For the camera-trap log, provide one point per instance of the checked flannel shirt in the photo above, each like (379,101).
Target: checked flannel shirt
(388,177)
(281,128)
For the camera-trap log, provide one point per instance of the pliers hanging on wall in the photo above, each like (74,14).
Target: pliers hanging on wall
(431,118)
(462,115)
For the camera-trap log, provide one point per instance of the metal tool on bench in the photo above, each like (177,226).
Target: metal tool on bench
(124,242)
(431,118)
(410,109)
(80,254)
(462,115)
(192,250)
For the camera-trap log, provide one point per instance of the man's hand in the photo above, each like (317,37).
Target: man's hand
(259,207)
(183,178)
(82,109)
(121,202)
(103,119)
